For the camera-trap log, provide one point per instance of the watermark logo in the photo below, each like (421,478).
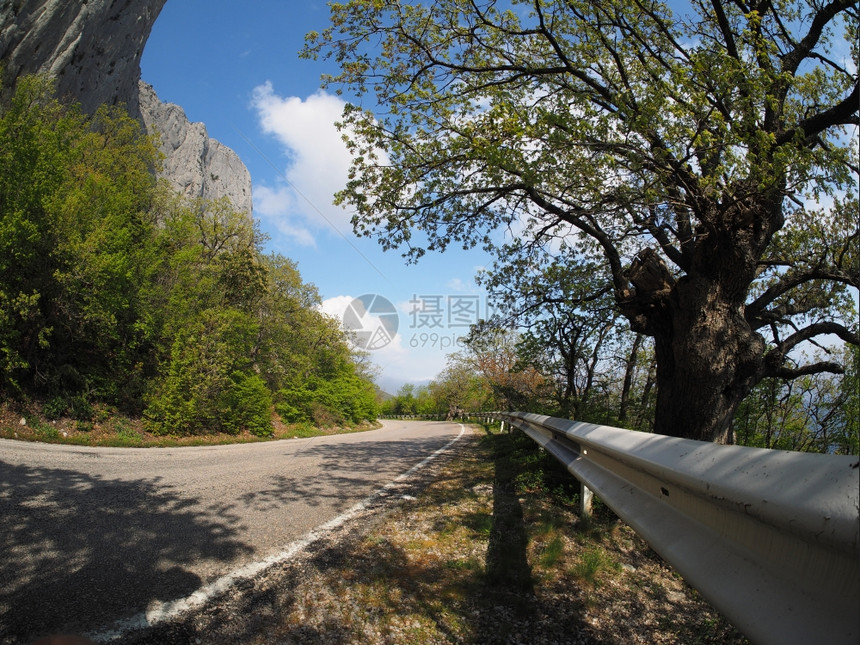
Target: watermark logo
(372,320)
(434,320)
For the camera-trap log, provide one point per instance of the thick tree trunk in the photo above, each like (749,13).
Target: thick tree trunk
(708,357)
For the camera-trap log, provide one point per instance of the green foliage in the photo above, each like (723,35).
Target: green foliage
(336,400)
(34,153)
(115,290)
(707,159)
(206,376)
(849,439)
(591,365)
(73,194)
(405,402)
(126,435)
(74,406)
(247,404)
(813,413)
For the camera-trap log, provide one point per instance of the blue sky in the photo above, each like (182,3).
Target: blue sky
(235,67)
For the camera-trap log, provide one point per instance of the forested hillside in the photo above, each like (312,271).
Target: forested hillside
(115,292)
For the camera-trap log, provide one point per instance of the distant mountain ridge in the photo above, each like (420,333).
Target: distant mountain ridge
(93,50)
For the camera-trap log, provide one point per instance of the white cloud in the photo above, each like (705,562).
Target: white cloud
(411,306)
(395,360)
(336,306)
(460,286)
(275,205)
(318,162)
(409,357)
(271,202)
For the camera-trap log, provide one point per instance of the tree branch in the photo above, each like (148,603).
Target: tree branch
(611,253)
(817,329)
(789,373)
(725,28)
(843,113)
(755,312)
(791,62)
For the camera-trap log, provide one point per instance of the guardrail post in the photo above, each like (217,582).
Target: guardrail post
(501,426)
(585,499)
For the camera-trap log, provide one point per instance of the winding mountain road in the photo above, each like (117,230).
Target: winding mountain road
(91,536)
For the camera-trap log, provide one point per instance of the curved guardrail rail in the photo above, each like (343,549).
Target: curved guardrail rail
(771,538)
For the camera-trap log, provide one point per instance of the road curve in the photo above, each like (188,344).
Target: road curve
(89,536)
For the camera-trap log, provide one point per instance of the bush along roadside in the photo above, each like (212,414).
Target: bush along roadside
(105,426)
(117,293)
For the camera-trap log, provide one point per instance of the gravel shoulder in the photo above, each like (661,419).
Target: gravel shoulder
(469,550)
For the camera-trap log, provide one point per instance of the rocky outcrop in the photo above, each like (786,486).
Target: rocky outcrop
(91,47)
(93,50)
(196,165)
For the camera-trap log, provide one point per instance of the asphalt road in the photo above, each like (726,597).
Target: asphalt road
(89,536)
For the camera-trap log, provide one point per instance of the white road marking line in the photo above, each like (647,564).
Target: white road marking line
(166,611)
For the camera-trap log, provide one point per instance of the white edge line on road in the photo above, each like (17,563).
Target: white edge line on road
(166,611)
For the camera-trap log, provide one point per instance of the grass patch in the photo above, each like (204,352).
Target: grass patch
(44,431)
(552,552)
(466,564)
(304,431)
(549,523)
(593,563)
(479,523)
(106,427)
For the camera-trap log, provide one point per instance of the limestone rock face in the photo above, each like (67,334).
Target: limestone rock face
(93,50)
(196,165)
(92,47)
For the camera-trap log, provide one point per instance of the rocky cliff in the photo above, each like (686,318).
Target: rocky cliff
(93,49)
(196,165)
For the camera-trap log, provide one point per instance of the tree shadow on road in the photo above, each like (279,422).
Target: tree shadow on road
(79,550)
(352,471)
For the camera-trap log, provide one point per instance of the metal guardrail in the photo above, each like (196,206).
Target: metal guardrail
(771,538)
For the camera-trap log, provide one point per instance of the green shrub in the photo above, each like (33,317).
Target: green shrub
(46,431)
(294,404)
(84,426)
(55,408)
(328,402)
(325,417)
(206,375)
(289,413)
(75,406)
(80,408)
(247,405)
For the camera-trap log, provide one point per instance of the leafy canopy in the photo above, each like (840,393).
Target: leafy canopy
(689,152)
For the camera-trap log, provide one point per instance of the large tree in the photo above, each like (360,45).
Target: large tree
(709,157)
